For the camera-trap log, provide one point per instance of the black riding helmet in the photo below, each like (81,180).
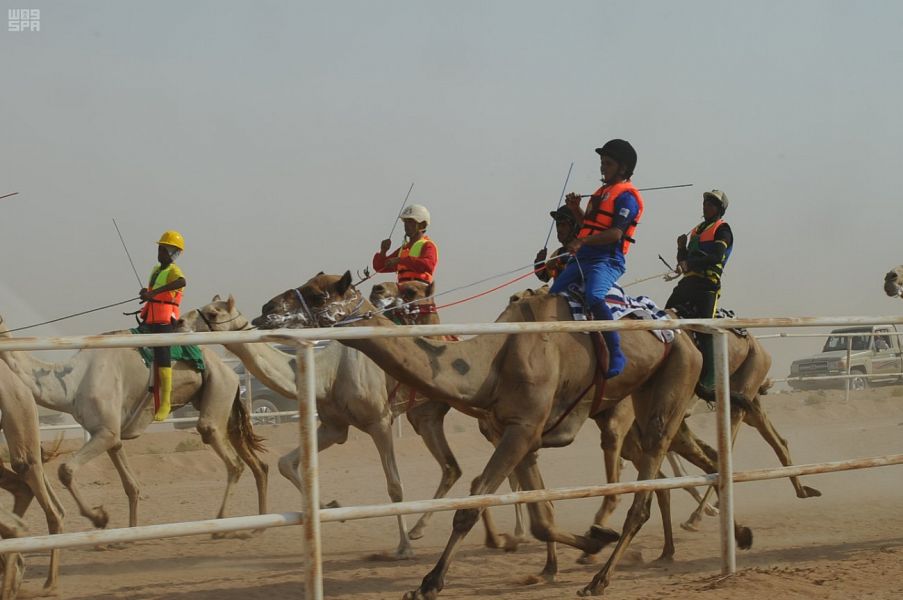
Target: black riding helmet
(621,152)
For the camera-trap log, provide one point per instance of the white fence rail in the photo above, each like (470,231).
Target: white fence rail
(307,413)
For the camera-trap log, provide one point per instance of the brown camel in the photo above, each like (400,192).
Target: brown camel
(25,478)
(532,389)
(893,282)
(105,390)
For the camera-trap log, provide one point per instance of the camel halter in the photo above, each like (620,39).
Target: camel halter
(210,323)
(334,316)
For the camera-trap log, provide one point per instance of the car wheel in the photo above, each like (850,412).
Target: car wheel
(263,411)
(858,383)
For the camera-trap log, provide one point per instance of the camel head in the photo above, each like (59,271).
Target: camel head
(402,302)
(324,301)
(893,282)
(385,295)
(218,315)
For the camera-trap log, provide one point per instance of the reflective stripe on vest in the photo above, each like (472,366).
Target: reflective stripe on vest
(164,307)
(703,240)
(601,211)
(414,251)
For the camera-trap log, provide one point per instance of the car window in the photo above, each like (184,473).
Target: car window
(839,342)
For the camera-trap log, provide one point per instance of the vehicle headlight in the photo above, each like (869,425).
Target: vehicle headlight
(840,363)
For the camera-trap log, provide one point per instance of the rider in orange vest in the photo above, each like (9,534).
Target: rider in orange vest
(417,258)
(162,298)
(701,257)
(604,239)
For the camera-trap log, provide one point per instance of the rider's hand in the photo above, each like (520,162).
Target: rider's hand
(541,256)
(572,201)
(683,267)
(144,294)
(384,246)
(682,240)
(573,245)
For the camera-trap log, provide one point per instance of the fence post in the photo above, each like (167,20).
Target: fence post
(847,388)
(310,502)
(725,463)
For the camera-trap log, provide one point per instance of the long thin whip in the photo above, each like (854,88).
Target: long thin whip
(8,195)
(403,202)
(126,248)
(649,189)
(560,198)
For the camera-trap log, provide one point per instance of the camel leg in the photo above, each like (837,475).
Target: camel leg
(212,435)
(428,421)
(685,444)
(692,523)
(37,482)
(242,438)
(101,441)
(327,435)
(498,540)
(512,447)
(381,433)
(758,419)
(679,471)
(13,570)
(660,406)
(128,479)
(614,425)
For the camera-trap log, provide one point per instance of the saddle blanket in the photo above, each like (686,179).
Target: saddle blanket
(622,305)
(189,354)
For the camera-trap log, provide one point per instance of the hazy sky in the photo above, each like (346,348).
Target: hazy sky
(280,138)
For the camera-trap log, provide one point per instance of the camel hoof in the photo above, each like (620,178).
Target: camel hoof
(504,542)
(590,590)
(539,579)
(601,537)
(809,492)
(711,510)
(744,538)
(587,559)
(665,559)
(415,533)
(100,518)
(418,595)
(689,526)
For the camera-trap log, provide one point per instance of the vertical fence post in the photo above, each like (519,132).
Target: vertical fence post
(725,462)
(847,388)
(307,412)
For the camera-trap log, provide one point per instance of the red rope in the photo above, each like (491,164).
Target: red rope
(498,287)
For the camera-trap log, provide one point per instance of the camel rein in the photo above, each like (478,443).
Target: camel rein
(78,314)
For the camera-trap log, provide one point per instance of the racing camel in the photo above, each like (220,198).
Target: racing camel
(105,390)
(352,391)
(24,479)
(532,388)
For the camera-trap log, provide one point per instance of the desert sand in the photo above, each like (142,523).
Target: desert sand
(847,544)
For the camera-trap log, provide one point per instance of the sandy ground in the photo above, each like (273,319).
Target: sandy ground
(847,544)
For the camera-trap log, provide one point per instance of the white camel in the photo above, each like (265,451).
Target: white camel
(105,391)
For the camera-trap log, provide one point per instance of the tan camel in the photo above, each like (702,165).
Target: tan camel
(411,303)
(25,478)
(532,389)
(351,392)
(105,391)
(893,282)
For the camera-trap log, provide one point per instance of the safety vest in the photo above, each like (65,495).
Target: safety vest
(702,239)
(601,212)
(163,308)
(414,251)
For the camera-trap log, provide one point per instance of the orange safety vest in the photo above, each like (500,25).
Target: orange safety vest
(601,211)
(163,308)
(702,238)
(414,251)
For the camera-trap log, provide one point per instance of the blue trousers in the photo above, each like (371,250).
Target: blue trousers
(597,276)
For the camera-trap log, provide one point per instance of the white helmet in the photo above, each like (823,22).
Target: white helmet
(417,212)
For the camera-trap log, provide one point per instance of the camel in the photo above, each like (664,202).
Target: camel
(363,400)
(25,478)
(105,391)
(893,282)
(533,390)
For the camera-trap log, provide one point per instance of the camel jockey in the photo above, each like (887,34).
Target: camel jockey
(701,259)
(603,240)
(566,223)
(162,297)
(417,258)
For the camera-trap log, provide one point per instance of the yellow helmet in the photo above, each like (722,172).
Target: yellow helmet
(172,238)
